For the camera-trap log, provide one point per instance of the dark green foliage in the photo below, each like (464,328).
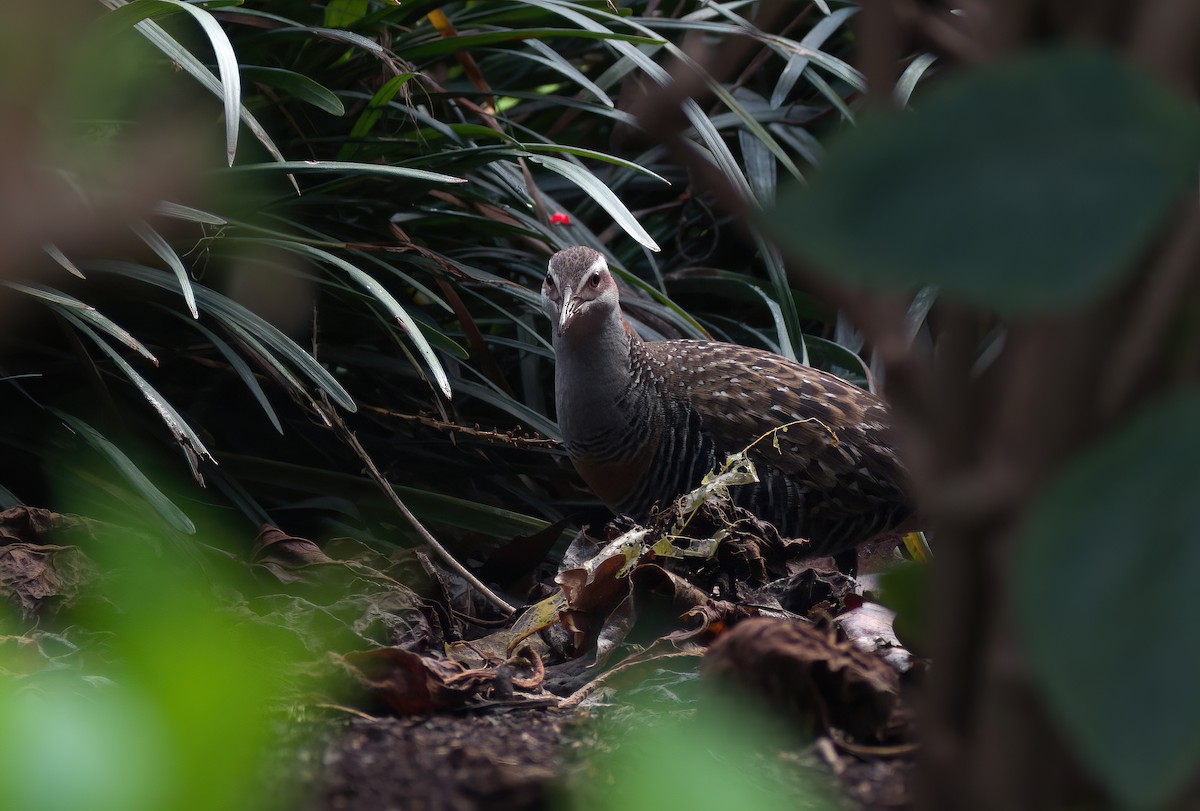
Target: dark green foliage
(1025,187)
(1107,560)
(377,245)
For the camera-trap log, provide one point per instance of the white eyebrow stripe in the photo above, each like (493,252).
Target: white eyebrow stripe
(597,265)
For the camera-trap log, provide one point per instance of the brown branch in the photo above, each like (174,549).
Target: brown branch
(1153,316)
(1164,41)
(511,437)
(350,439)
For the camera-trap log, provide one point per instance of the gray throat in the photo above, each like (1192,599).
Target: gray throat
(592,382)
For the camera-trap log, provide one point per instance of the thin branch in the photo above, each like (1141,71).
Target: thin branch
(1150,323)
(575,699)
(515,437)
(350,439)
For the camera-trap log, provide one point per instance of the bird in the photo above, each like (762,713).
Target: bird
(644,421)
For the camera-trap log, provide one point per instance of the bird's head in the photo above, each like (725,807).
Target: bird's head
(579,293)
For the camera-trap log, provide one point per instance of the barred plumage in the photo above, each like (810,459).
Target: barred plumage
(644,421)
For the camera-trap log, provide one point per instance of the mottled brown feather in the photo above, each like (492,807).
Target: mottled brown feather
(842,436)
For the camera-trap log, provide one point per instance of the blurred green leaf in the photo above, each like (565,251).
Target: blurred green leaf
(155,497)
(725,757)
(176,709)
(903,588)
(1025,186)
(1111,649)
(341,13)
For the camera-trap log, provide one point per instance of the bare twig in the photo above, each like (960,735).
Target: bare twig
(515,437)
(1164,40)
(350,439)
(1153,315)
(575,699)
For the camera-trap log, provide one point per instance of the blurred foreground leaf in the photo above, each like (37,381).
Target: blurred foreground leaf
(1025,186)
(726,757)
(1114,651)
(172,711)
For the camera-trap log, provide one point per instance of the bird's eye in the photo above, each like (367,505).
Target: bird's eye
(596,279)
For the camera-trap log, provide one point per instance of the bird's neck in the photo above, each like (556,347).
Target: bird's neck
(593,379)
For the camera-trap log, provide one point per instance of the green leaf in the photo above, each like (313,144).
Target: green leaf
(132,473)
(227,64)
(341,13)
(369,116)
(718,753)
(177,425)
(380,294)
(813,41)
(912,74)
(1111,649)
(69,304)
(553,60)
(182,212)
(298,85)
(467,41)
(172,260)
(243,371)
(595,188)
(58,256)
(153,32)
(349,168)
(234,315)
(1027,186)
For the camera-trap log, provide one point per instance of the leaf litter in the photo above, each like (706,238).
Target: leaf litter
(377,636)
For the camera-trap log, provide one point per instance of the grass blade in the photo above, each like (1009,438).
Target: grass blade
(595,188)
(168,255)
(162,505)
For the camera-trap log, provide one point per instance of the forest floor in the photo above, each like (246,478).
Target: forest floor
(523,760)
(643,674)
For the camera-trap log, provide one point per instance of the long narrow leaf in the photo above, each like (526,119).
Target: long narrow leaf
(227,65)
(909,78)
(153,32)
(168,255)
(132,473)
(61,301)
(381,294)
(182,212)
(595,188)
(813,40)
(243,371)
(373,112)
(58,256)
(346,167)
(178,427)
(233,313)
(553,60)
(298,85)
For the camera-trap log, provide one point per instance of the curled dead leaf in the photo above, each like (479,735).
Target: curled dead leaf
(810,673)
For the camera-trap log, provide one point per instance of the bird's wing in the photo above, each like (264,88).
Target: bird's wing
(805,423)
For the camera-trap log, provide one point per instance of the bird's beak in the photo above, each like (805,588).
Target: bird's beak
(571,305)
